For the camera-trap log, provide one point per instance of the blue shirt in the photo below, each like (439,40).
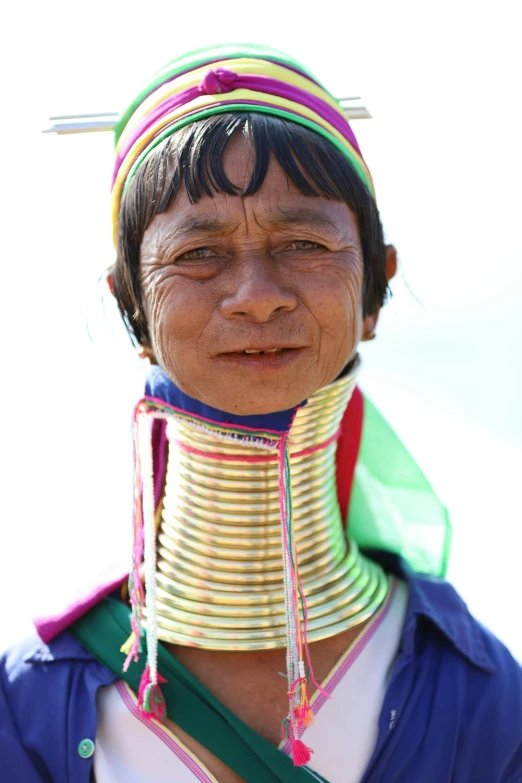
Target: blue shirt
(452,712)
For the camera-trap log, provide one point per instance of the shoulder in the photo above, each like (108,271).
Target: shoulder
(464,685)
(47,700)
(478,683)
(438,616)
(437,610)
(34,664)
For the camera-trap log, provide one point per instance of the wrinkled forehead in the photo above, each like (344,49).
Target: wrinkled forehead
(252,79)
(277,207)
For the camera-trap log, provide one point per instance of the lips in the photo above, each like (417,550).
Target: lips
(256,350)
(261,358)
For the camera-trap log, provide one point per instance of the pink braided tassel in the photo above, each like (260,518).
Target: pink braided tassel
(151,701)
(136,589)
(301,753)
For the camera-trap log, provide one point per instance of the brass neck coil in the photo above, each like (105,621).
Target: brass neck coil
(220,569)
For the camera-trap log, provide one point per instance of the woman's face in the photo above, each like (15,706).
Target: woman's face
(254,303)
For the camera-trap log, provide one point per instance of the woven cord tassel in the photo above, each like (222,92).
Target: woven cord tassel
(301,753)
(299,712)
(132,646)
(151,701)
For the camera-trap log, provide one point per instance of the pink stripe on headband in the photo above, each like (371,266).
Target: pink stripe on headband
(224,81)
(221,59)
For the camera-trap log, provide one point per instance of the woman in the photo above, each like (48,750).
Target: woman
(250,263)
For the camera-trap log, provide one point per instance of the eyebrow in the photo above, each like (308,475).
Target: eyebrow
(196,225)
(212,225)
(302,215)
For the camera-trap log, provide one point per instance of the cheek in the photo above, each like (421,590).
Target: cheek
(177,312)
(337,306)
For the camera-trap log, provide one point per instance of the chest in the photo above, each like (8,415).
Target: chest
(343,735)
(252,685)
(133,749)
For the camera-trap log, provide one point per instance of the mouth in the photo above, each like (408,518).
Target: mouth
(257,351)
(261,358)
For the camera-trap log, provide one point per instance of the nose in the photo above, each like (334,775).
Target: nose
(258,291)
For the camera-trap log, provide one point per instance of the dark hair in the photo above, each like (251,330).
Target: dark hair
(193,156)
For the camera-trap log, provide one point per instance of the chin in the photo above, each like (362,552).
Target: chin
(259,403)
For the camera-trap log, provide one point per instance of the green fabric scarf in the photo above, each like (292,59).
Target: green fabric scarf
(393,505)
(104,629)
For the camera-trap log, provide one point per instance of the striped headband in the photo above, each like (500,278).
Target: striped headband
(227,78)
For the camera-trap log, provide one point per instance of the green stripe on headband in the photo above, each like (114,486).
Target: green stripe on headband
(254,109)
(198,57)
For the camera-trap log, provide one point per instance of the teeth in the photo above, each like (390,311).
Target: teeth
(272,350)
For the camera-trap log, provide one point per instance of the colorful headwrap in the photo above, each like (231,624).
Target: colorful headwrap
(226,78)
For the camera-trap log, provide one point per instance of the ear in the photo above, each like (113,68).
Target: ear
(370,322)
(110,283)
(146,352)
(391,261)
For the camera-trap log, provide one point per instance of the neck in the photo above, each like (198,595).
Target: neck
(220,577)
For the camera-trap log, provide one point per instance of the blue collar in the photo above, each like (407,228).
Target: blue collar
(430,599)
(65,647)
(160,386)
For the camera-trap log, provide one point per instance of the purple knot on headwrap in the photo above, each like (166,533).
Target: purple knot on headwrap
(217,81)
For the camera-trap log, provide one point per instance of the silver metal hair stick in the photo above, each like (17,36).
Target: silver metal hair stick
(105,121)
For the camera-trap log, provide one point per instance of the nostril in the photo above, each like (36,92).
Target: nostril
(257,300)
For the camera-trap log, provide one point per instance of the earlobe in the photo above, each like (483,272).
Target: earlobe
(369,325)
(391,261)
(146,352)
(370,322)
(110,283)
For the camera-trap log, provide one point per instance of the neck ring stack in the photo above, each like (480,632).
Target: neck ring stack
(219,574)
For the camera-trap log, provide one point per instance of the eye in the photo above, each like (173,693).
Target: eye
(198,254)
(305,244)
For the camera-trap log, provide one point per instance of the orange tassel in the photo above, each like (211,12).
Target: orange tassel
(303,713)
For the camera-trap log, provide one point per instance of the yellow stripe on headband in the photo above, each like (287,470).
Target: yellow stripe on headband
(240,66)
(205,101)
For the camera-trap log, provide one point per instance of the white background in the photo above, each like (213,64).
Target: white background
(442,81)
